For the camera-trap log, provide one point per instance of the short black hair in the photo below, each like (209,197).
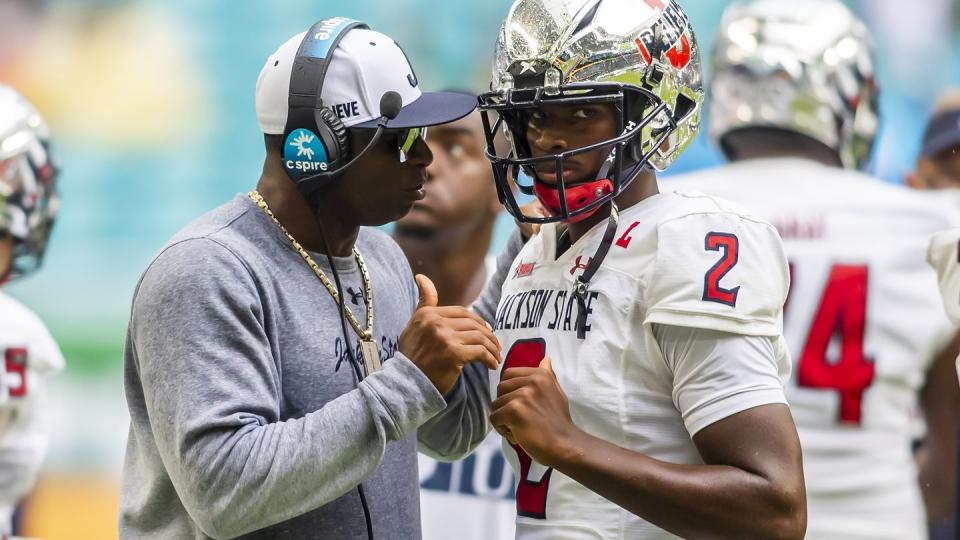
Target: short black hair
(772,141)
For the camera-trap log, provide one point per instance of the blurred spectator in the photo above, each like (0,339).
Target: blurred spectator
(939,164)
(20,21)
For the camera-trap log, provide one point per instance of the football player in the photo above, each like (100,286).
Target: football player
(28,206)
(641,390)
(938,168)
(447,235)
(793,103)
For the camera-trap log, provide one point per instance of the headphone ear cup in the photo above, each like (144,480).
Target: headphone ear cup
(334,135)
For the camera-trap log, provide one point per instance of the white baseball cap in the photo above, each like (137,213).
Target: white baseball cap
(364,66)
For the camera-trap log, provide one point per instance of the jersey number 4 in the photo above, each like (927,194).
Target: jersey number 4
(842,314)
(534,478)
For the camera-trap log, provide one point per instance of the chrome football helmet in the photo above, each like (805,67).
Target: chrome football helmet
(639,55)
(28,191)
(804,67)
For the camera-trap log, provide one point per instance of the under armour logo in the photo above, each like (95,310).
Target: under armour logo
(580,265)
(527,65)
(355,297)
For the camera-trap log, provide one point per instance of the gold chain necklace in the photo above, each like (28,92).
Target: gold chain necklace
(368,347)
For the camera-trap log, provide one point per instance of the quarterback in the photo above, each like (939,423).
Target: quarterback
(641,389)
(794,106)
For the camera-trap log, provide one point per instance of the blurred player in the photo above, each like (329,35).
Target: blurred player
(939,164)
(943,255)
(446,237)
(661,409)
(794,103)
(28,206)
(938,167)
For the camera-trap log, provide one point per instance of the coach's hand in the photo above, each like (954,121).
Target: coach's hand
(441,340)
(532,411)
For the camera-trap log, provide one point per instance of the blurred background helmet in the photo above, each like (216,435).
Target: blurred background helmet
(640,55)
(28,191)
(804,67)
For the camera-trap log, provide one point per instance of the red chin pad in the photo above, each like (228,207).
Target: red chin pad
(578,196)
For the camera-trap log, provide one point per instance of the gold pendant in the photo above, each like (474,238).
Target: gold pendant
(371,356)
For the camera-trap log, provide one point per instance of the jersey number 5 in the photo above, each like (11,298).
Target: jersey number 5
(534,478)
(15,368)
(712,291)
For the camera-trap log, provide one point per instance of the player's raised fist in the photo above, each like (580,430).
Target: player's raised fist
(441,340)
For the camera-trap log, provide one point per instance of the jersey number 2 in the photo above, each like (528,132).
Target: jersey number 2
(532,489)
(712,291)
(842,313)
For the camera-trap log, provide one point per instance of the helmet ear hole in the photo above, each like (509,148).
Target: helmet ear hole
(684,107)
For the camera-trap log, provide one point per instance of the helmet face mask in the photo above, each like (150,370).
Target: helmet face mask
(640,57)
(620,167)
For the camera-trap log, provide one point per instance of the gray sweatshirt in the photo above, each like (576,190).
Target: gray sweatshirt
(241,422)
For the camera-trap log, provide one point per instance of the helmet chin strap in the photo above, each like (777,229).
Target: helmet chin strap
(577,196)
(581,288)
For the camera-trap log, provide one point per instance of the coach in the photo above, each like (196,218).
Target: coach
(279,369)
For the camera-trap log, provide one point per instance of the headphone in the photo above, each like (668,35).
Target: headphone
(315,141)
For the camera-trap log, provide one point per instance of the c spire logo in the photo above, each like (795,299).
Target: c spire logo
(300,143)
(304,154)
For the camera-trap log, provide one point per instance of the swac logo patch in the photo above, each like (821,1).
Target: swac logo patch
(524,269)
(304,154)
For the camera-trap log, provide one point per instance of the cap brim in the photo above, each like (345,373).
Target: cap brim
(430,109)
(941,142)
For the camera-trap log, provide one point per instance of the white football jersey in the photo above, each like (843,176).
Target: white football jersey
(863,323)
(676,261)
(28,354)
